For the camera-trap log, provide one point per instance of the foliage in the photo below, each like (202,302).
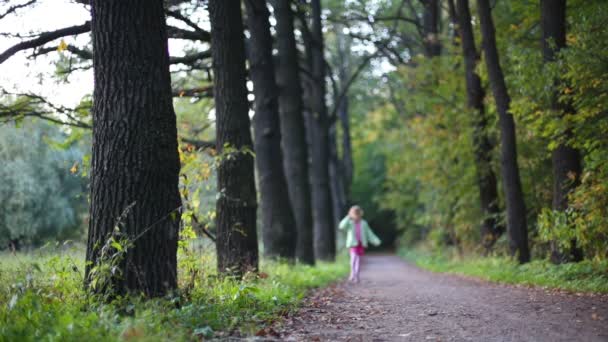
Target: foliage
(41,192)
(431,176)
(418,123)
(45,299)
(586,276)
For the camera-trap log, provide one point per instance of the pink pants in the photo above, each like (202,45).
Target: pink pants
(355,262)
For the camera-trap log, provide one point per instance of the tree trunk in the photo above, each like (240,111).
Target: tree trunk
(343,115)
(566,160)
(135,162)
(336,173)
(324,230)
(236,240)
(293,130)
(430,28)
(278,224)
(516,209)
(482,147)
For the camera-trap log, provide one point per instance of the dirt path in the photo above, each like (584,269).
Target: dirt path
(399,302)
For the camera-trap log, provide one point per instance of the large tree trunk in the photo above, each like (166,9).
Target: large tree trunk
(430,27)
(278,224)
(566,160)
(237,248)
(516,209)
(325,244)
(135,162)
(486,178)
(293,131)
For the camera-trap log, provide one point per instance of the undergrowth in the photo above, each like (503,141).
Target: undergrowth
(42,299)
(585,276)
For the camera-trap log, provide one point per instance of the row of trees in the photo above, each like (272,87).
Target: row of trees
(530,70)
(135,202)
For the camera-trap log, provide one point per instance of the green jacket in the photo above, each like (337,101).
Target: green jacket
(366,233)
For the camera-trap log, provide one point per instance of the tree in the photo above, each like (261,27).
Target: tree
(343,113)
(135,162)
(39,197)
(566,160)
(293,130)
(430,27)
(278,224)
(516,209)
(336,177)
(237,249)
(324,230)
(486,179)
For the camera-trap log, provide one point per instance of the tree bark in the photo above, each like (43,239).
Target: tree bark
(343,114)
(516,209)
(430,27)
(236,237)
(482,146)
(336,176)
(278,223)
(293,130)
(324,230)
(135,163)
(565,159)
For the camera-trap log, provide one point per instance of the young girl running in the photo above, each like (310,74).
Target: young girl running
(358,234)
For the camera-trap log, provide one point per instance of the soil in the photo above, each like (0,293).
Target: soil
(396,301)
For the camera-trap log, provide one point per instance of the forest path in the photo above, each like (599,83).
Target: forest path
(396,301)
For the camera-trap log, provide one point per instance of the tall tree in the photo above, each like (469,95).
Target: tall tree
(236,237)
(324,242)
(135,162)
(278,224)
(293,130)
(482,146)
(516,209)
(566,160)
(430,27)
(336,177)
(344,65)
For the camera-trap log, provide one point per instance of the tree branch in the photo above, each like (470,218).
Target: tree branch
(82,53)
(44,38)
(16,7)
(179,33)
(177,15)
(49,36)
(191,58)
(194,92)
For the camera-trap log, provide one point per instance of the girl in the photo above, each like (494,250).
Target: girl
(358,234)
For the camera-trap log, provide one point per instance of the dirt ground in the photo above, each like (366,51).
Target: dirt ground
(396,301)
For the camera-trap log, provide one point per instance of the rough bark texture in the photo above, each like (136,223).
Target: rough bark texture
(135,163)
(324,230)
(430,26)
(482,146)
(516,209)
(566,160)
(278,224)
(237,249)
(293,130)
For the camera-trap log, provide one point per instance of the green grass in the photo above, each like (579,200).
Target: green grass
(41,299)
(586,276)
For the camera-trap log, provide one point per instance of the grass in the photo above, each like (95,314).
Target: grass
(42,299)
(586,276)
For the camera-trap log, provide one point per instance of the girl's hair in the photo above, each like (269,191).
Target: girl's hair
(357,209)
